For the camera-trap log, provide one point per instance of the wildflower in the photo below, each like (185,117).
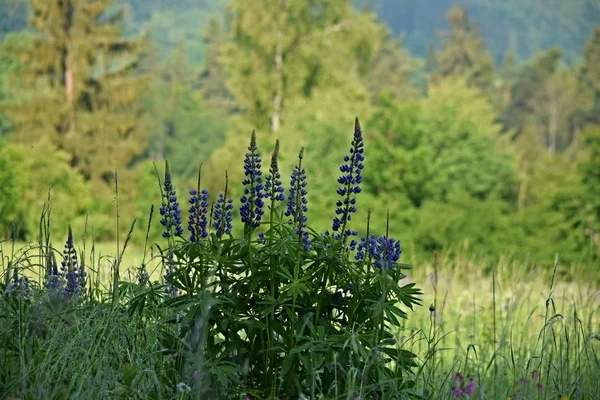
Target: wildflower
(74,274)
(366,249)
(535,375)
(470,388)
(457,392)
(539,386)
(273,187)
(222,213)
(388,252)
(251,209)
(19,285)
(170,207)
(350,181)
(457,378)
(297,202)
(198,219)
(54,281)
(384,251)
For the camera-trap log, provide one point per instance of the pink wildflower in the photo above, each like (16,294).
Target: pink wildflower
(540,387)
(457,392)
(457,377)
(470,388)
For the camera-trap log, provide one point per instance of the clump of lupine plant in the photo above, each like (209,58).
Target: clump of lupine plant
(278,311)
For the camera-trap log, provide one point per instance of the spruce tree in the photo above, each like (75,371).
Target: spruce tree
(79,86)
(463,51)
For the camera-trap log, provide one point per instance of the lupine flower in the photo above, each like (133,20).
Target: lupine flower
(387,253)
(222,212)
(366,248)
(19,285)
(73,274)
(252,201)
(297,202)
(170,207)
(54,281)
(350,181)
(384,252)
(273,187)
(198,219)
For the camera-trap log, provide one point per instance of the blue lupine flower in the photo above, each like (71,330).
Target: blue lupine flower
(297,202)
(273,187)
(54,281)
(170,207)
(382,251)
(198,219)
(73,274)
(222,212)
(19,285)
(366,249)
(350,181)
(388,251)
(252,201)
(222,216)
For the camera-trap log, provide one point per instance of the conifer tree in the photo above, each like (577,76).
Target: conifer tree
(463,51)
(79,85)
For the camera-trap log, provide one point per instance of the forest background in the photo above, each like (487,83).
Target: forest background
(481,117)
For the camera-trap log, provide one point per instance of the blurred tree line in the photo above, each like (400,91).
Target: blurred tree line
(465,148)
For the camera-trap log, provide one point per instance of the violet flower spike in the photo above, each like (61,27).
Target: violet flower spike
(170,207)
(297,202)
(273,186)
(350,181)
(252,202)
(222,213)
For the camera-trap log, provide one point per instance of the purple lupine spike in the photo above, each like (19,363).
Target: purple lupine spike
(273,186)
(297,202)
(388,252)
(350,180)
(222,218)
(198,218)
(252,202)
(170,207)
(73,274)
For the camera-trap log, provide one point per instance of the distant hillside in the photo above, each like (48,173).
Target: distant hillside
(523,26)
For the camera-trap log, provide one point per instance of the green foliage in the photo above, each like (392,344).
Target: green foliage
(12,187)
(463,52)
(80,88)
(522,26)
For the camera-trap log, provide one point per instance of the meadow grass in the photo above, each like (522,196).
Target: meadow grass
(512,328)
